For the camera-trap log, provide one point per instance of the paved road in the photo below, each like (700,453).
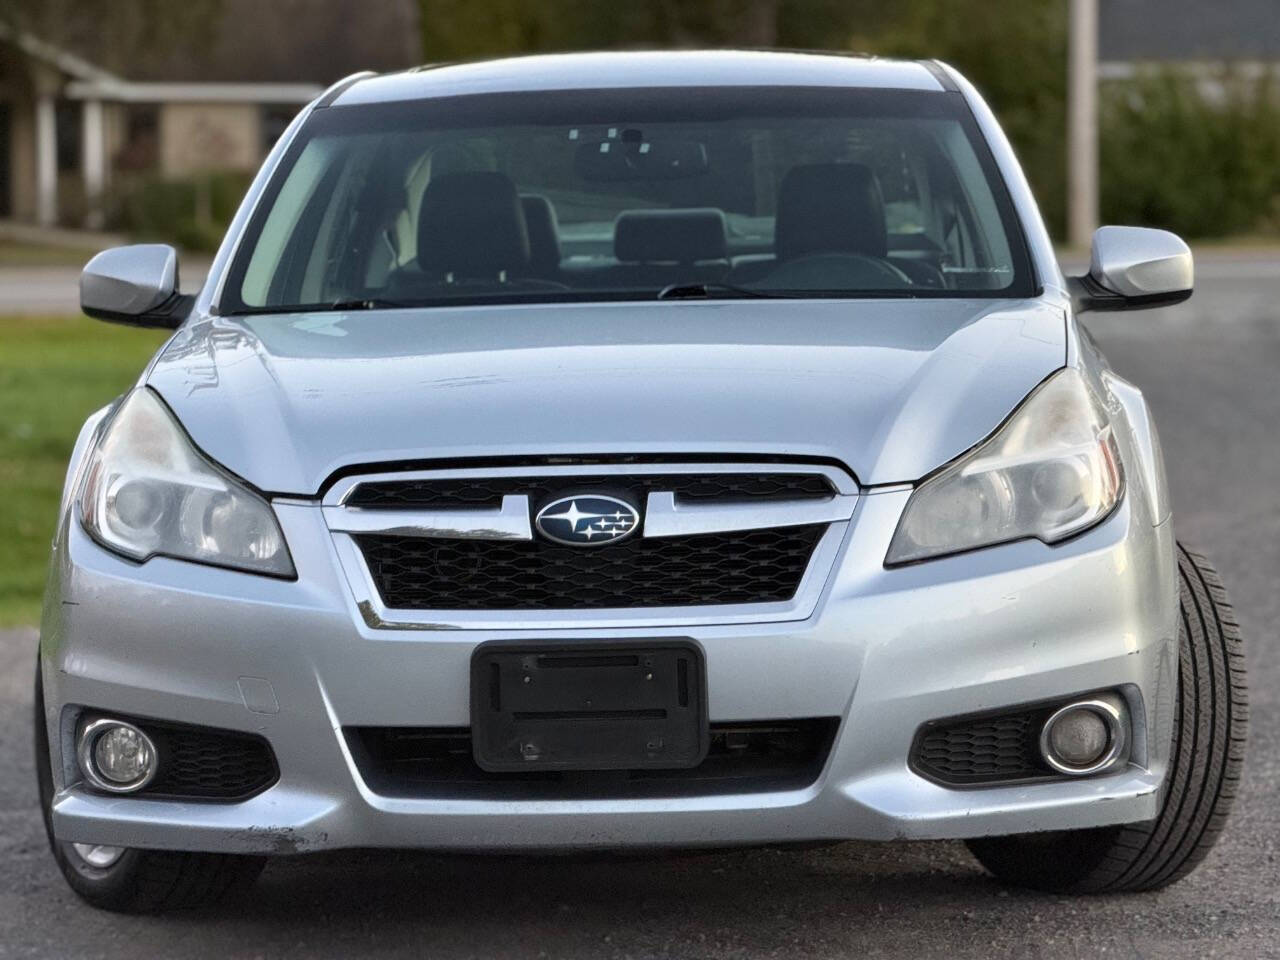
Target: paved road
(1210,369)
(56,289)
(39,289)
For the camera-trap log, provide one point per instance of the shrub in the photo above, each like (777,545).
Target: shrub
(1015,54)
(1198,157)
(191,213)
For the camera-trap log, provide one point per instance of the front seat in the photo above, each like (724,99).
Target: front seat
(837,208)
(829,233)
(472,227)
(830,208)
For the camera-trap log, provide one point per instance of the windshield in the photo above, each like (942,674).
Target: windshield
(632,194)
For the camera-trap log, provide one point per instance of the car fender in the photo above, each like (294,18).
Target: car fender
(1136,433)
(85,442)
(1140,436)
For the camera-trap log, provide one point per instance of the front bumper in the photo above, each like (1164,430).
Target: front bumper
(884,650)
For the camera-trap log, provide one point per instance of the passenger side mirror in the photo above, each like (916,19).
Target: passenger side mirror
(137,285)
(1132,268)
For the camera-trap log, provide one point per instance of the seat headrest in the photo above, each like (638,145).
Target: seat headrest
(682,236)
(472,224)
(544,233)
(830,208)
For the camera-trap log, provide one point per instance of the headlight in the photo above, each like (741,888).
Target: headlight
(149,492)
(1050,472)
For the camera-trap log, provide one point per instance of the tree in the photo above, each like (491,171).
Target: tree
(114,32)
(1015,53)
(460,29)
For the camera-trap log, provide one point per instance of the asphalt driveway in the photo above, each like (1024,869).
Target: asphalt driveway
(1211,371)
(56,288)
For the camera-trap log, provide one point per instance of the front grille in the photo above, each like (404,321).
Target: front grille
(748,757)
(751,566)
(983,749)
(205,763)
(440,493)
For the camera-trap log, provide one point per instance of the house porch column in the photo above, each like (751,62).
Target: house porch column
(93,161)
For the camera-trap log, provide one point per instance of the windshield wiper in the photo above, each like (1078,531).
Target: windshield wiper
(696,291)
(674,291)
(367,304)
(338,306)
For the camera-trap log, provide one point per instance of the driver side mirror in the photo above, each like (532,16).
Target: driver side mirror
(1133,268)
(136,285)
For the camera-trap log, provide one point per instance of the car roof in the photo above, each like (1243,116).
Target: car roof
(685,68)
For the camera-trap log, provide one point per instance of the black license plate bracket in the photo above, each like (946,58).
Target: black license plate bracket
(588,705)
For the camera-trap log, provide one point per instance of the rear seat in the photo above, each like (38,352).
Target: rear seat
(544,236)
(659,247)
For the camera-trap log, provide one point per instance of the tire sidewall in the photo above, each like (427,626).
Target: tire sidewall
(97,884)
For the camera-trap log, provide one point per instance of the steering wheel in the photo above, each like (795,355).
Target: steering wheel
(836,271)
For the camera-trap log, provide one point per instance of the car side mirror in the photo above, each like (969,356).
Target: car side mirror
(137,285)
(1132,268)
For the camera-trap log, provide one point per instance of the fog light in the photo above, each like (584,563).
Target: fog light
(1079,737)
(116,756)
(1084,737)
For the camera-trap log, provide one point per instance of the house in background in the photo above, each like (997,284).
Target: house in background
(69,127)
(1191,37)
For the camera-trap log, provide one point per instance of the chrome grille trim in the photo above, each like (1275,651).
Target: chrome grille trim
(342,489)
(509,523)
(663,517)
(672,519)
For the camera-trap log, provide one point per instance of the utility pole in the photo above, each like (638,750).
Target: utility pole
(1082,123)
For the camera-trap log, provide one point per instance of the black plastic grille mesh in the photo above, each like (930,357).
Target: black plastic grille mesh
(753,566)
(744,757)
(983,750)
(478,492)
(208,764)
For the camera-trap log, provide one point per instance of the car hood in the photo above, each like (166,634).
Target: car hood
(890,388)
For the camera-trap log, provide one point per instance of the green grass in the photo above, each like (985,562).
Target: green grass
(54,372)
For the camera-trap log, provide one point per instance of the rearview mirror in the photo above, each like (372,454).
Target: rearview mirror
(137,285)
(1132,268)
(628,158)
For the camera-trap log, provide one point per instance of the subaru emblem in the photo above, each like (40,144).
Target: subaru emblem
(587,520)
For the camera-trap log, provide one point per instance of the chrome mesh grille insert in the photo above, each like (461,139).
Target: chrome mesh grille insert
(750,566)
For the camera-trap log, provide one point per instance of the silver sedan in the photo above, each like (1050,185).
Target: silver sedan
(632,450)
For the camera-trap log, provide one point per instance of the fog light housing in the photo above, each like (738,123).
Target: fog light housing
(1085,737)
(116,756)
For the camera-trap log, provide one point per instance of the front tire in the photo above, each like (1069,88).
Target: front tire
(130,880)
(1204,773)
